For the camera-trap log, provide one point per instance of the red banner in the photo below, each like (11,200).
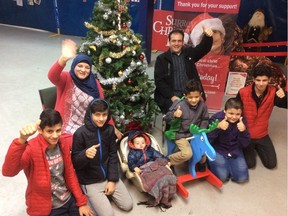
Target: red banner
(162,26)
(213,6)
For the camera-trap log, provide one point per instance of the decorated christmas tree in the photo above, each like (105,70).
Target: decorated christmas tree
(120,65)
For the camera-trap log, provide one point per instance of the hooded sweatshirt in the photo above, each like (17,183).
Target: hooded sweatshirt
(104,166)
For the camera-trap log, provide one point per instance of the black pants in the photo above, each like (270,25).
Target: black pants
(266,151)
(69,209)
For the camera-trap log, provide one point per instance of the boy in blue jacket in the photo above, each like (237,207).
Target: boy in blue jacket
(228,140)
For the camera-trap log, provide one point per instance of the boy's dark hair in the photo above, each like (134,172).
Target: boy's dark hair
(176,31)
(50,117)
(262,70)
(192,86)
(99,105)
(233,103)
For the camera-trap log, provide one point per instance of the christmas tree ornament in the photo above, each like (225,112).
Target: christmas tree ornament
(132,63)
(133,53)
(109,11)
(120,8)
(129,81)
(105,16)
(123,47)
(120,73)
(129,24)
(108,60)
(124,26)
(92,47)
(118,43)
(141,57)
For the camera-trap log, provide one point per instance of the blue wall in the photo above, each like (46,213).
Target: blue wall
(72,15)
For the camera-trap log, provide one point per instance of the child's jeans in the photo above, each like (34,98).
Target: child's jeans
(229,167)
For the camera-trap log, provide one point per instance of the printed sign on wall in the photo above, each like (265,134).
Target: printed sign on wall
(235,81)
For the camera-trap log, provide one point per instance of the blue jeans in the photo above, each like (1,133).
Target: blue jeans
(229,167)
(68,209)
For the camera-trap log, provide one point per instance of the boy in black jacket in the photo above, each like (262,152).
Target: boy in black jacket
(94,157)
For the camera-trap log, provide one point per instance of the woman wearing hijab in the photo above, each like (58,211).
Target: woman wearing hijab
(76,88)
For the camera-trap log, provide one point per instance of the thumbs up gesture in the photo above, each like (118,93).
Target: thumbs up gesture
(28,131)
(240,125)
(224,124)
(178,112)
(280,92)
(91,152)
(208,31)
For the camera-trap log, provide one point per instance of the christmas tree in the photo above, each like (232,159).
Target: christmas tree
(120,64)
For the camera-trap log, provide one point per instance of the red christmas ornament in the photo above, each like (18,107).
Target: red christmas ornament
(124,25)
(129,81)
(141,57)
(123,47)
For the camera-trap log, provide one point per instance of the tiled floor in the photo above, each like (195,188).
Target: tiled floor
(26,56)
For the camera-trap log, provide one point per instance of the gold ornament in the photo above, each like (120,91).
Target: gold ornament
(120,73)
(92,47)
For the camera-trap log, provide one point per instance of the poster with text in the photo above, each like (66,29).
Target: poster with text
(235,81)
(213,74)
(162,26)
(220,16)
(213,6)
